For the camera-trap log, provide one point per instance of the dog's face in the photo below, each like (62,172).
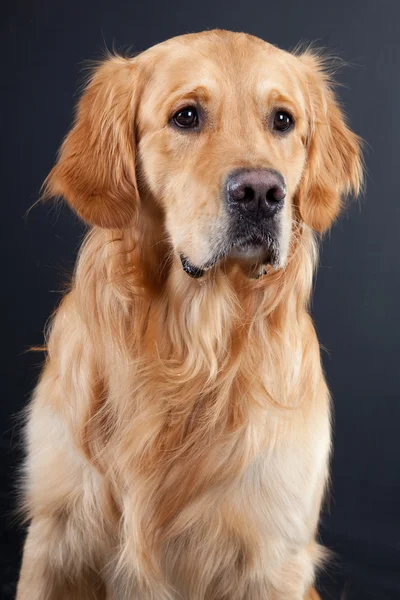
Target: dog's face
(233,138)
(222,130)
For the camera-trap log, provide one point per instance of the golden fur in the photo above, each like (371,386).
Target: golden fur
(178,440)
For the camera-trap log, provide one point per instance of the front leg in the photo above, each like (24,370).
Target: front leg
(52,570)
(294,579)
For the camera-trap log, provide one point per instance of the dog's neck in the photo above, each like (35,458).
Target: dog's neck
(194,326)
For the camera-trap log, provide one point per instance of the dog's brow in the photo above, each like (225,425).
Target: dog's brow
(182,94)
(276,98)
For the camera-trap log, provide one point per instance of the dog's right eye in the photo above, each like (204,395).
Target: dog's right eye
(186,118)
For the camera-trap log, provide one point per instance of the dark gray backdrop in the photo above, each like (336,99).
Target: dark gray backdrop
(356,305)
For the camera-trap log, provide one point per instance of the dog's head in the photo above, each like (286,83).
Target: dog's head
(227,137)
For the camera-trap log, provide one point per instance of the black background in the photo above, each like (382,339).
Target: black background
(356,303)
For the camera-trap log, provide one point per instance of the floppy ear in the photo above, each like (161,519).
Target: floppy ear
(95,171)
(334,162)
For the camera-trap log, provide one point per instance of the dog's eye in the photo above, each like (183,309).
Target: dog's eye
(186,118)
(283,121)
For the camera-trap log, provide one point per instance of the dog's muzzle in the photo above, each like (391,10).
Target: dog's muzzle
(253,199)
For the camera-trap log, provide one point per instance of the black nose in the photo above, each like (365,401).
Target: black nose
(255,191)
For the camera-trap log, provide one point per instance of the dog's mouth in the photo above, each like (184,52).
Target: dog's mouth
(255,253)
(190,268)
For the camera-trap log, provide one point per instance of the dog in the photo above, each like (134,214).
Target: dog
(178,440)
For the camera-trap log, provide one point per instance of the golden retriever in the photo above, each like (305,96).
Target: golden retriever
(178,440)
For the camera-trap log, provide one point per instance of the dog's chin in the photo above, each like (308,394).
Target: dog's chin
(253,256)
(251,253)
(253,259)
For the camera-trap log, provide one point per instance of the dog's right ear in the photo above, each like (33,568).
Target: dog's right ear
(95,171)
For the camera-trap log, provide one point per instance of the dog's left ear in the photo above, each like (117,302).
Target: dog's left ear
(95,171)
(334,162)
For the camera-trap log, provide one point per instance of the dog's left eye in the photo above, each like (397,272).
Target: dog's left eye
(186,118)
(283,121)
